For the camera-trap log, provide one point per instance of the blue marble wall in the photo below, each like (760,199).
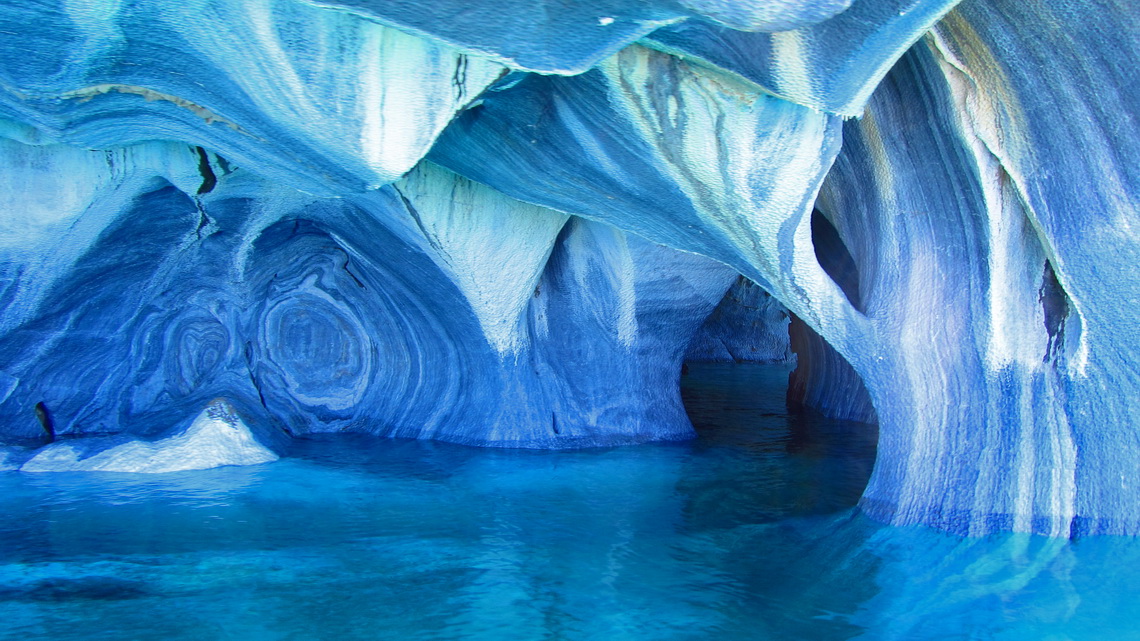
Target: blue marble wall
(1015,410)
(433,307)
(748,326)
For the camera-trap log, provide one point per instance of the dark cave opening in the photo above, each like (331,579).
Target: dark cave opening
(749,325)
(757,377)
(835,259)
(808,463)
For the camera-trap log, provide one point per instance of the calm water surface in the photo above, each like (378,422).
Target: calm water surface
(747,532)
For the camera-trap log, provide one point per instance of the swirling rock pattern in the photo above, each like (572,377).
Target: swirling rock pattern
(317,347)
(830,65)
(627,144)
(200,344)
(568,38)
(974,222)
(360,313)
(206,200)
(311,96)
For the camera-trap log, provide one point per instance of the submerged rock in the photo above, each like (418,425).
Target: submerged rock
(217,437)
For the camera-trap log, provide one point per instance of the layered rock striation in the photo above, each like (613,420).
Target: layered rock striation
(503,223)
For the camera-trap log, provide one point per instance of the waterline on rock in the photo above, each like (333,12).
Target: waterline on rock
(747,532)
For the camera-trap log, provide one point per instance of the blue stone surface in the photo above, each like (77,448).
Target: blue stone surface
(553,36)
(831,65)
(748,326)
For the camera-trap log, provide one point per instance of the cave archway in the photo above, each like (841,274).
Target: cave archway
(758,379)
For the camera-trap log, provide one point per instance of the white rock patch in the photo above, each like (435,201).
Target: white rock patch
(216,438)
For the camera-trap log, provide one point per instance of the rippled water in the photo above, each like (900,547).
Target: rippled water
(745,533)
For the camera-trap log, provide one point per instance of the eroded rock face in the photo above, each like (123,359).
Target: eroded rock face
(318,98)
(205,201)
(829,65)
(966,161)
(748,326)
(550,36)
(434,307)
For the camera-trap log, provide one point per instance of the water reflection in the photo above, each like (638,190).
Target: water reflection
(745,533)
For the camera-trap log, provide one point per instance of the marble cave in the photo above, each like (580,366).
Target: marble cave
(508,226)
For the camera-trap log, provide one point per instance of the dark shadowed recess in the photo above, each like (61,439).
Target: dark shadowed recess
(823,381)
(797,407)
(751,326)
(798,463)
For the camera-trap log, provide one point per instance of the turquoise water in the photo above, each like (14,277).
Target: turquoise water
(747,532)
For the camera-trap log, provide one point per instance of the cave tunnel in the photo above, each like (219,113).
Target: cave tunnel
(754,374)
